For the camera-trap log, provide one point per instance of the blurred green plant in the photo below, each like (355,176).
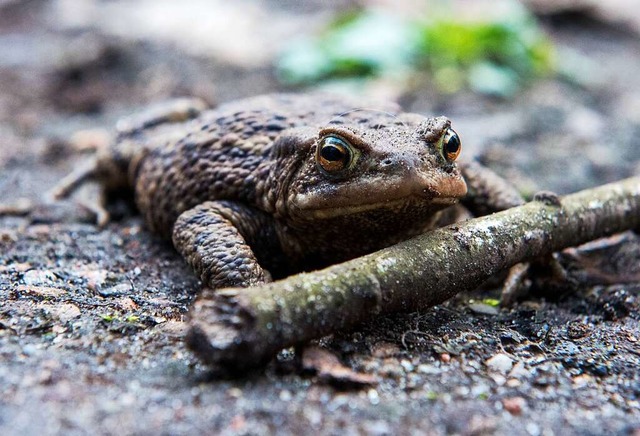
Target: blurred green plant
(493,302)
(494,56)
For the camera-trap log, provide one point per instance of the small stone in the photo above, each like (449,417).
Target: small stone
(532,428)
(384,349)
(238,423)
(498,379)
(95,278)
(514,405)
(126,304)
(377,428)
(500,363)
(480,390)
(285,395)
(392,370)
(38,277)
(66,312)
(406,365)
(428,369)
(30,349)
(582,380)
(235,393)
(513,383)
(17,267)
(483,309)
(42,291)
(373,396)
(116,291)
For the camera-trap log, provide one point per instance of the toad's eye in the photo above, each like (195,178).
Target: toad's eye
(334,154)
(451,145)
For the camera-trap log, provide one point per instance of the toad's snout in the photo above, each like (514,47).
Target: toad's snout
(439,185)
(425,177)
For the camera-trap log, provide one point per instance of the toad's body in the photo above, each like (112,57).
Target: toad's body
(288,183)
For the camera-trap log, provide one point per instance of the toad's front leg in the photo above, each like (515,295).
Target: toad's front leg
(223,242)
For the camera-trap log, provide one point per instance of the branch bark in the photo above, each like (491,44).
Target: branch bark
(241,328)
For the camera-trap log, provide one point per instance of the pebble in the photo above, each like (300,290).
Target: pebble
(484,309)
(378,428)
(175,329)
(519,371)
(385,349)
(95,278)
(38,277)
(41,291)
(500,363)
(116,291)
(235,393)
(514,405)
(66,312)
(392,370)
(406,365)
(373,396)
(18,267)
(428,369)
(285,395)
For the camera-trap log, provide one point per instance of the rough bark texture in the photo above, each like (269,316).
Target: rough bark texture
(240,328)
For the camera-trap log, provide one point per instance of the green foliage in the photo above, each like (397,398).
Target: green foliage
(432,395)
(108,318)
(493,302)
(492,57)
(356,45)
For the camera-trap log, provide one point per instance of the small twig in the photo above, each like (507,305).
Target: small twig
(239,328)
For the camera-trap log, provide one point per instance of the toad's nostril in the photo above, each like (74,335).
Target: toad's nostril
(387,162)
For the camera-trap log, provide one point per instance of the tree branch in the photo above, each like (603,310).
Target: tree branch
(240,328)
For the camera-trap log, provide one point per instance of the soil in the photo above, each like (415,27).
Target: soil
(92,319)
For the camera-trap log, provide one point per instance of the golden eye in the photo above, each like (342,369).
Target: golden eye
(334,154)
(451,145)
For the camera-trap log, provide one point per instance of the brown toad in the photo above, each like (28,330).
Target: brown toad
(277,184)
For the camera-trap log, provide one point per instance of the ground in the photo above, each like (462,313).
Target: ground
(91,320)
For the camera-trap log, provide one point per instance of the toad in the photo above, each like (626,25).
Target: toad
(264,187)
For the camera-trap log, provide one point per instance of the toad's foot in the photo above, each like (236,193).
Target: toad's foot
(546,273)
(65,187)
(216,238)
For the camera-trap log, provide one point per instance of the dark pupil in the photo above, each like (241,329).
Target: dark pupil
(332,153)
(453,143)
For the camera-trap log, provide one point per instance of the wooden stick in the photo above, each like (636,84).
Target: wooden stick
(241,328)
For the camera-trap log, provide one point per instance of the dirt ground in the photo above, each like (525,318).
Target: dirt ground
(91,320)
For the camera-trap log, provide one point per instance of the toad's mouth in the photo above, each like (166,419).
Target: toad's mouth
(390,205)
(356,198)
